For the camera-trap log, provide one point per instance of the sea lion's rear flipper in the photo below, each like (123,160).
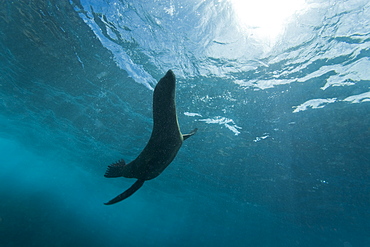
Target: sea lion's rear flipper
(186,136)
(115,170)
(127,193)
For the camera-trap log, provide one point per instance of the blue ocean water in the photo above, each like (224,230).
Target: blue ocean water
(282,154)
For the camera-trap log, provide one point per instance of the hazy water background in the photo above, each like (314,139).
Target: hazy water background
(281,157)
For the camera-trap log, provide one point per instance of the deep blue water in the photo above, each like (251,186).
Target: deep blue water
(281,157)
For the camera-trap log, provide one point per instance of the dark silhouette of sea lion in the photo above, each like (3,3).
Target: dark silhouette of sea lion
(163,145)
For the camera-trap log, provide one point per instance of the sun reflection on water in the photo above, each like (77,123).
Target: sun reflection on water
(265,19)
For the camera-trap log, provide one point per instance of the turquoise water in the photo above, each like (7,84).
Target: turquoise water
(281,157)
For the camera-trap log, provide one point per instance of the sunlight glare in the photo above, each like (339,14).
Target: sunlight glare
(265,19)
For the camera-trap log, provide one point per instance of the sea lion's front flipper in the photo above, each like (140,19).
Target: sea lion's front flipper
(127,193)
(186,136)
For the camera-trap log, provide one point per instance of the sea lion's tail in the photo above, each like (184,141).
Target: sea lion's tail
(127,193)
(115,170)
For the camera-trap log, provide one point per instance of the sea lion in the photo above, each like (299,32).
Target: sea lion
(163,145)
